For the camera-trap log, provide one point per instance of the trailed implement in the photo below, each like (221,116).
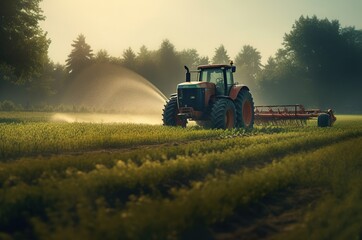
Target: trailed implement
(292,114)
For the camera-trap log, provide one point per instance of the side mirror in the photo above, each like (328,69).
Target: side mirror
(233,68)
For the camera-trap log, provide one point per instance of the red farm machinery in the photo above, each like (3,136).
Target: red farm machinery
(295,114)
(216,100)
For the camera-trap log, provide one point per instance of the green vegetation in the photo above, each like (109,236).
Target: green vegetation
(124,181)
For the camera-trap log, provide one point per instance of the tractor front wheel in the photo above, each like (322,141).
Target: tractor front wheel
(223,114)
(170,113)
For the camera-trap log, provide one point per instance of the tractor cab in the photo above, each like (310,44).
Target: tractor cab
(211,96)
(220,75)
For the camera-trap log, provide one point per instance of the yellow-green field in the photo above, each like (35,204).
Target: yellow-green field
(125,181)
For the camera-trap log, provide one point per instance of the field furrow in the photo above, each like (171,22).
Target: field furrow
(31,139)
(122,181)
(152,178)
(192,210)
(29,169)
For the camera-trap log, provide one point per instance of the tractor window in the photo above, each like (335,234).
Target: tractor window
(230,79)
(215,76)
(204,76)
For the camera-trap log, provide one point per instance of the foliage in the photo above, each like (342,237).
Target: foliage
(314,43)
(129,58)
(179,188)
(221,56)
(9,106)
(248,63)
(102,56)
(25,70)
(318,65)
(80,56)
(319,58)
(192,59)
(24,45)
(146,64)
(60,136)
(169,65)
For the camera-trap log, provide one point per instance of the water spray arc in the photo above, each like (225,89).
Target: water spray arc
(114,89)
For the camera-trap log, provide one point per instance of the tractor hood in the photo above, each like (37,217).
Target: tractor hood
(195,85)
(195,96)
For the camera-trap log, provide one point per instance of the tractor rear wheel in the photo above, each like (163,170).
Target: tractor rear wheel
(170,112)
(223,114)
(244,105)
(324,120)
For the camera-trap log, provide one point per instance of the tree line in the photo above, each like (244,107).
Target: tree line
(319,64)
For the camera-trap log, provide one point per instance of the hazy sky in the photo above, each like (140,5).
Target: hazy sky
(115,25)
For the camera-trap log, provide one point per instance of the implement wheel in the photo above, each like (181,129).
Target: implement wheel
(223,114)
(324,120)
(244,105)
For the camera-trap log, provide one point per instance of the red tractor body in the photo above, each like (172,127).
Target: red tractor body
(214,99)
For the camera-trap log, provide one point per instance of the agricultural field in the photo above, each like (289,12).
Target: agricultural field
(62,180)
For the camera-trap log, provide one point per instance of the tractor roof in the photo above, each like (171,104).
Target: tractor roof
(213,66)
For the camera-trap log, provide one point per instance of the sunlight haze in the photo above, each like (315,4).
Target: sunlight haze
(115,25)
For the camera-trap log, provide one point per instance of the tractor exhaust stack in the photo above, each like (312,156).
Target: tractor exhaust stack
(188,74)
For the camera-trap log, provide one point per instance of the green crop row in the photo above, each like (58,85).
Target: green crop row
(123,181)
(29,169)
(216,153)
(117,183)
(26,139)
(34,138)
(215,198)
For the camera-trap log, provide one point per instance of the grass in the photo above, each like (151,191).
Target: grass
(124,181)
(32,138)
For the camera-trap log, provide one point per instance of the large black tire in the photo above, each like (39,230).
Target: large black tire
(223,114)
(244,106)
(170,112)
(324,120)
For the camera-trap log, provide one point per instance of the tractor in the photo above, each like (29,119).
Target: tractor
(213,99)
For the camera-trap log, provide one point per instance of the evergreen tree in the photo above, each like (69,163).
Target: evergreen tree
(248,62)
(80,56)
(190,58)
(204,61)
(221,56)
(102,56)
(145,57)
(170,68)
(146,64)
(129,58)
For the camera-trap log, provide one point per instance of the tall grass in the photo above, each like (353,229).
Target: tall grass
(26,139)
(215,198)
(124,181)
